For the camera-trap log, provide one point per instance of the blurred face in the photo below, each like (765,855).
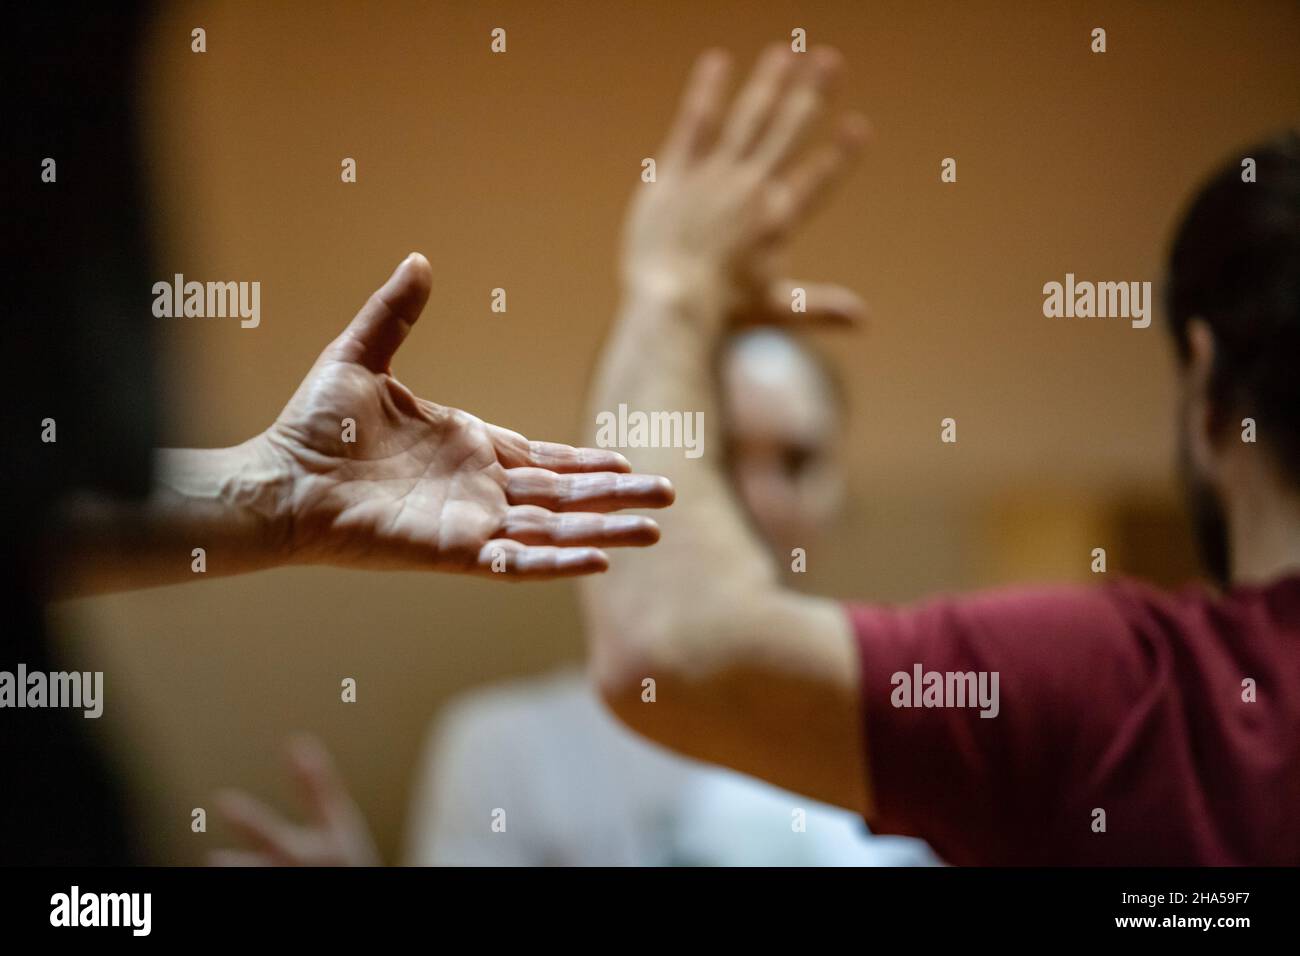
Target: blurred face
(782,432)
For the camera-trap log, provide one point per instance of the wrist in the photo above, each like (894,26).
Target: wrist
(262,492)
(694,290)
(235,497)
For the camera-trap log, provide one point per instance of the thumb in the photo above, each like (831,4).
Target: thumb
(816,303)
(372,338)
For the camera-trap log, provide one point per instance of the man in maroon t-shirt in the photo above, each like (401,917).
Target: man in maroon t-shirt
(1118,724)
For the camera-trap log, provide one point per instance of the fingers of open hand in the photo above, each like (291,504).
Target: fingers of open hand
(810,179)
(795,111)
(696,125)
(323,792)
(756,101)
(516,451)
(590,491)
(557,524)
(264,830)
(516,561)
(767,129)
(530,524)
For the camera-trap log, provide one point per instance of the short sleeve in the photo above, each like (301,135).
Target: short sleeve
(989,717)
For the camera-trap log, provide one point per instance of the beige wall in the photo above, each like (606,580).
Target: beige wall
(511,171)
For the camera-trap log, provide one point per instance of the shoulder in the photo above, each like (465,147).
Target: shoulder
(1050,640)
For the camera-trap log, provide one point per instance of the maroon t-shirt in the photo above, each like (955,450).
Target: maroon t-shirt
(1177,715)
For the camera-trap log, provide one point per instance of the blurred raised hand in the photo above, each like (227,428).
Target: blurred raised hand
(334,832)
(732,184)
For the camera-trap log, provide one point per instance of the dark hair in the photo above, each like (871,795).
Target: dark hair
(1235,263)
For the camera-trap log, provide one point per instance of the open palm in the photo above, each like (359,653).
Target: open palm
(381,478)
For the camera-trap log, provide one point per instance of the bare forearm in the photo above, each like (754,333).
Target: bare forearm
(708,559)
(745,671)
(212,512)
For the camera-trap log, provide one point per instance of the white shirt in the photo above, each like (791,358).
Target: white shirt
(538,773)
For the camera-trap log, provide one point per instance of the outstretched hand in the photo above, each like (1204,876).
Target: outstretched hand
(374,476)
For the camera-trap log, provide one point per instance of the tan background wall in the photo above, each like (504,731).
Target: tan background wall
(512,171)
